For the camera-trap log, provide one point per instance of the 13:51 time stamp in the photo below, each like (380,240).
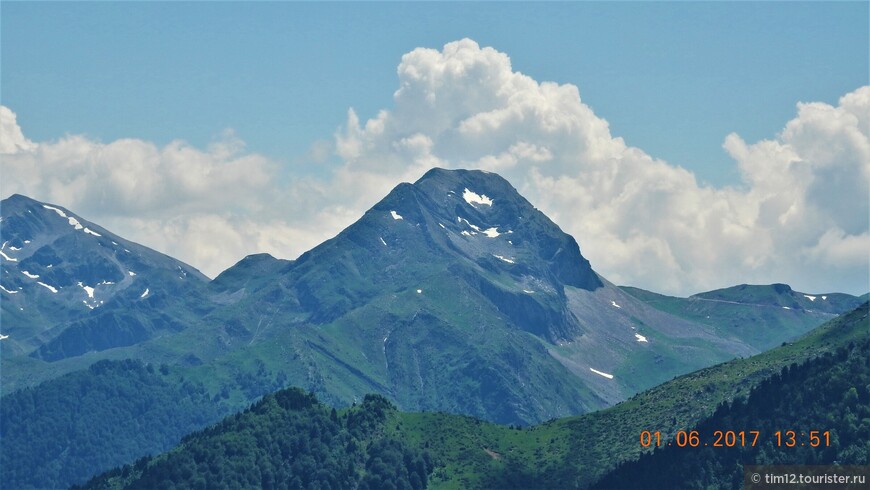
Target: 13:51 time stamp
(732,438)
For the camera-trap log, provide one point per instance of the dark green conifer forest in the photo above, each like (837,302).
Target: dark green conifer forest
(115,411)
(286,440)
(827,394)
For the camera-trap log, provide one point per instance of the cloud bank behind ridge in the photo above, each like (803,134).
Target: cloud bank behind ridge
(800,214)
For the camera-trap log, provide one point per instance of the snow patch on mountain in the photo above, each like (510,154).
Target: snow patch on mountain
(10,259)
(608,376)
(501,257)
(71,220)
(640,338)
(58,211)
(491,232)
(614,304)
(47,286)
(460,219)
(131,273)
(75,223)
(8,291)
(382,241)
(396,215)
(87,289)
(475,198)
(145,293)
(28,274)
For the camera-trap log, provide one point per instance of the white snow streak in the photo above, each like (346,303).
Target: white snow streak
(28,274)
(72,221)
(500,257)
(491,232)
(811,298)
(145,293)
(396,215)
(528,291)
(58,211)
(824,298)
(614,304)
(640,338)
(10,259)
(50,288)
(8,291)
(474,198)
(131,273)
(786,308)
(608,376)
(419,291)
(382,241)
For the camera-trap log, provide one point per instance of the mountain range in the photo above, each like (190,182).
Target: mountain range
(451,294)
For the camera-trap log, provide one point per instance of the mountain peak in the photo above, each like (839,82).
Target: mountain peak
(62,270)
(16,202)
(478,188)
(18,197)
(486,210)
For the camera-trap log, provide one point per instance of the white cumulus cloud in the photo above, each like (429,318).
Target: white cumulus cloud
(799,215)
(13,140)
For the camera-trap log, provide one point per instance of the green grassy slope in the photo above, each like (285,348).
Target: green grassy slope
(762,316)
(566,453)
(820,408)
(576,451)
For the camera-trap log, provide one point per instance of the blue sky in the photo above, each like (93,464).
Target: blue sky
(711,144)
(672,78)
